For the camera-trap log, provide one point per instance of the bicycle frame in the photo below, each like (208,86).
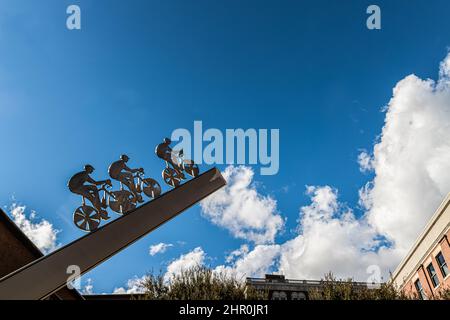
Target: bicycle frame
(105,192)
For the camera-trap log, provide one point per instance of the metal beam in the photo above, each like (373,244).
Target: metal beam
(46,275)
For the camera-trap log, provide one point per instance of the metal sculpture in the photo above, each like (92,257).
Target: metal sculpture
(122,201)
(132,185)
(42,277)
(119,171)
(88,218)
(176,165)
(83,184)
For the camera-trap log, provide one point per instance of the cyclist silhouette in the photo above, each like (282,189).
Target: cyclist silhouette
(165,152)
(77,184)
(119,170)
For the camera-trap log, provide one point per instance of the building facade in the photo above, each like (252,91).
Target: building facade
(279,288)
(424,272)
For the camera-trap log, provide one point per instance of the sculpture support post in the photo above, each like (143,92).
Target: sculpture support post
(44,276)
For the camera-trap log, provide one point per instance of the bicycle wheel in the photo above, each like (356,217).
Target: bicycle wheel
(170,177)
(122,202)
(191,168)
(127,206)
(86,218)
(152,189)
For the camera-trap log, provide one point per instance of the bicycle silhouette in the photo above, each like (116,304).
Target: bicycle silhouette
(173,173)
(88,218)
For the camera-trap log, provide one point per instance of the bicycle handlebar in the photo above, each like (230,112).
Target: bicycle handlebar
(106,184)
(140,172)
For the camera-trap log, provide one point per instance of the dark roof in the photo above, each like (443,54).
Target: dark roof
(17,250)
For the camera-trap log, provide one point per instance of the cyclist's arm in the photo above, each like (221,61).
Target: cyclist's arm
(90,180)
(126,168)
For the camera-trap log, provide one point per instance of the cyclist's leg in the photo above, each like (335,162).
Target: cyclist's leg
(86,193)
(91,193)
(127,179)
(94,196)
(175,166)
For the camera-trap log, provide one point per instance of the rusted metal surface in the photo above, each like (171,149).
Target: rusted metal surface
(46,275)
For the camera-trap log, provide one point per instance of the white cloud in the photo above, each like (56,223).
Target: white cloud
(331,238)
(411,161)
(244,249)
(239,208)
(159,248)
(240,263)
(365,162)
(194,258)
(42,233)
(88,287)
(134,286)
(186,261)
(444,71)
(254,263)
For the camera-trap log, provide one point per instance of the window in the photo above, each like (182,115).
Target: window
(283,295)
(419,289)
(279,295)
(442,264)
(433,275)
(298,296)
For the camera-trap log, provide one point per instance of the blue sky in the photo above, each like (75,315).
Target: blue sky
(138,70)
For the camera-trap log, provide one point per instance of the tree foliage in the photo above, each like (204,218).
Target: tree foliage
(334,289)
(198,283)
(202,283)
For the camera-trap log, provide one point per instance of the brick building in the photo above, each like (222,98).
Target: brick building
(424,272)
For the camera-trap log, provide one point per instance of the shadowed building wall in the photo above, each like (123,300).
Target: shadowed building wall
(16,250)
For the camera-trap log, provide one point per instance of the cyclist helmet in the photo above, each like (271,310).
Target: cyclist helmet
(124,157)
(88,168)
(167,140)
